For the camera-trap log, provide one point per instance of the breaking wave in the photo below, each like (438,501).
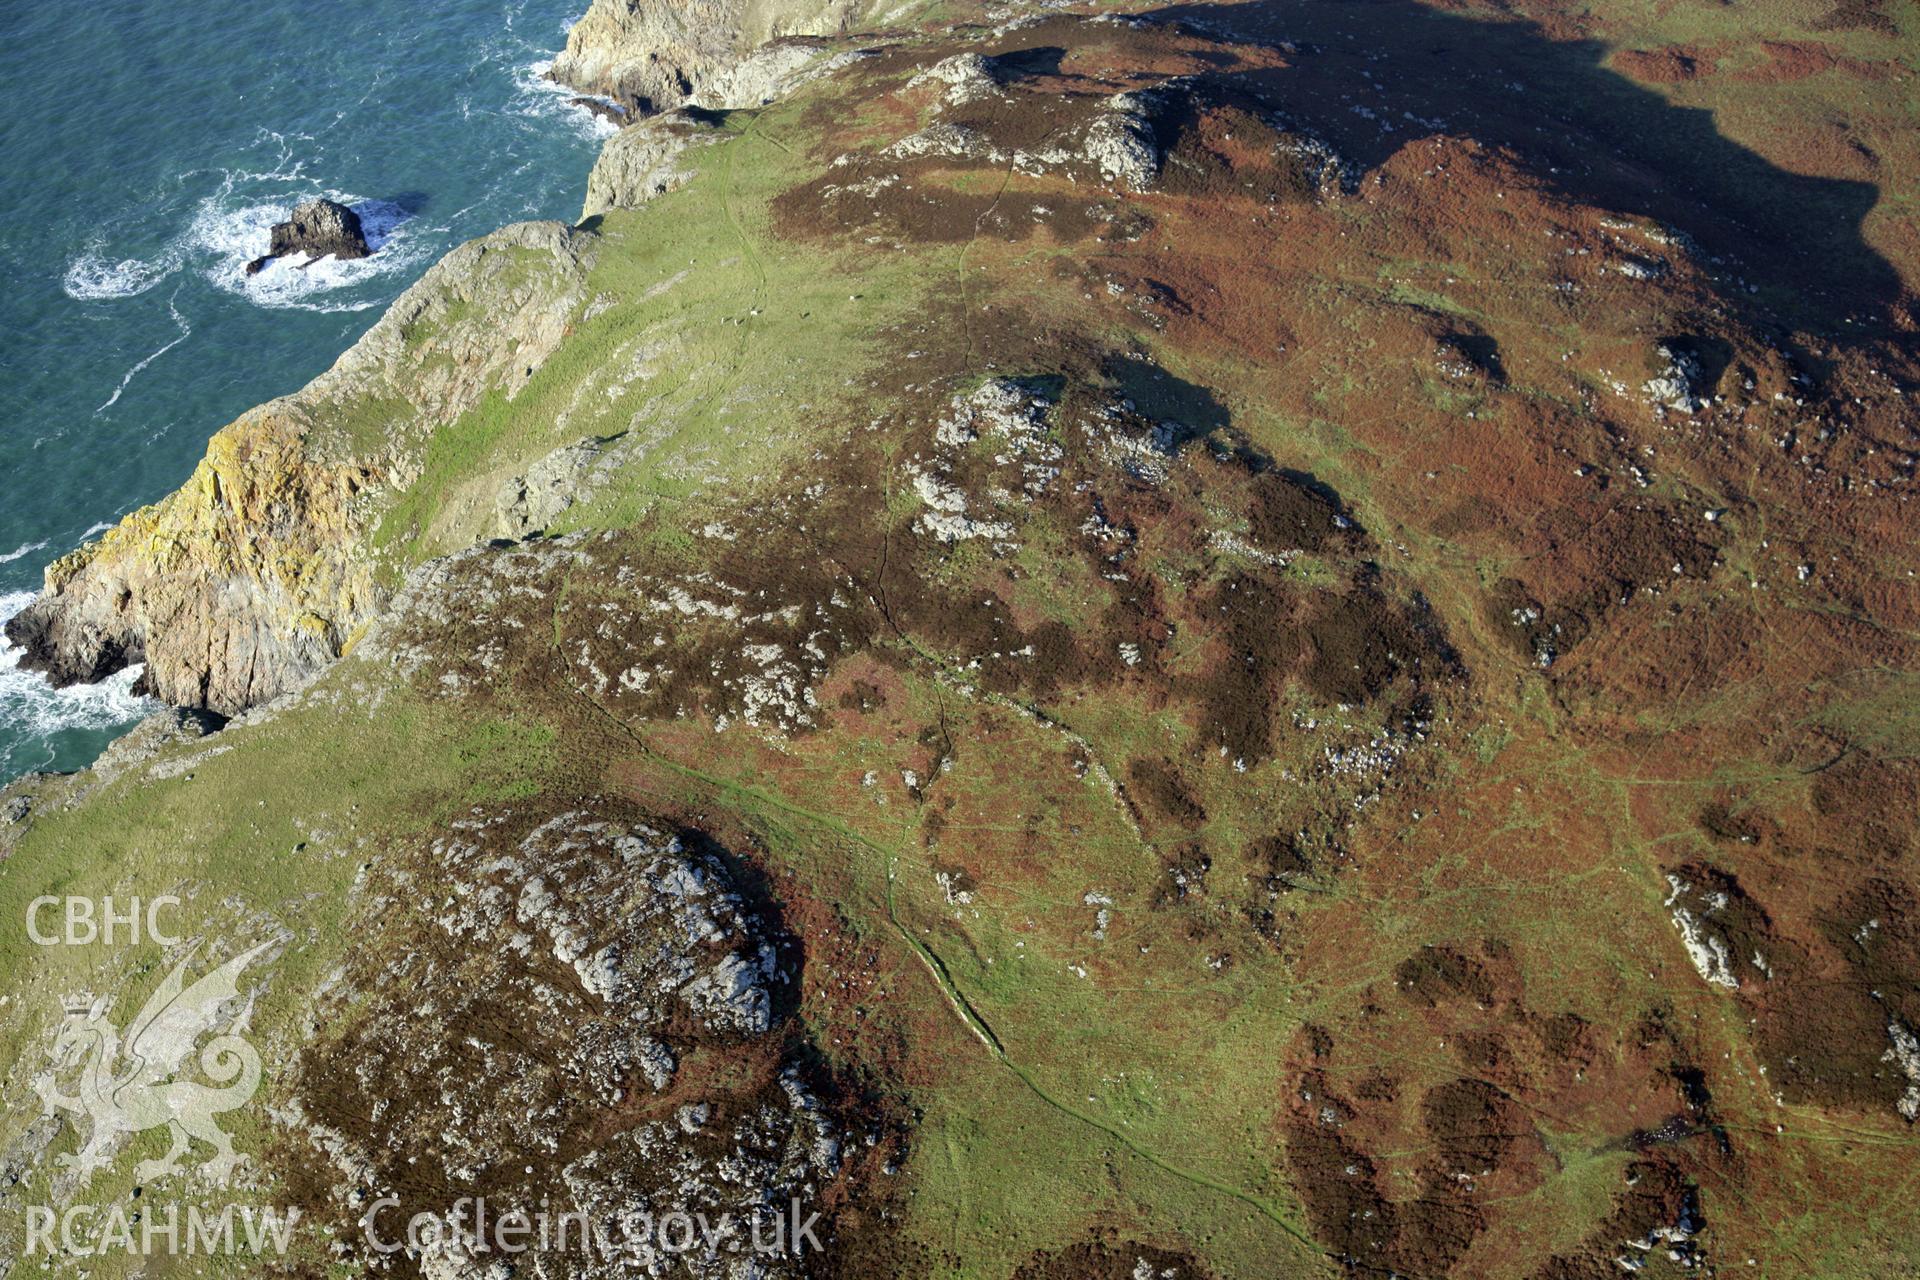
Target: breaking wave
(92,276)
(539,98)
(231,226)
(25,549)
(229,230)
(35,711)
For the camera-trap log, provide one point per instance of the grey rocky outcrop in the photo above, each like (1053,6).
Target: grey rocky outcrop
(963,78)
(654,55)
(644,161)
(1679,385)
(1120,142)
(164,728)
(772,72)
(529,503)
(591,1011)
(317,229)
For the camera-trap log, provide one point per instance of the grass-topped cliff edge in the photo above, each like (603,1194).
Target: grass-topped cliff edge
(1210,642)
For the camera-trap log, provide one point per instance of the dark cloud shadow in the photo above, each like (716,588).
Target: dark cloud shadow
(1371,76)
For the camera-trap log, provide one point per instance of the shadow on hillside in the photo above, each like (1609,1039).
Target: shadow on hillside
(1602,138)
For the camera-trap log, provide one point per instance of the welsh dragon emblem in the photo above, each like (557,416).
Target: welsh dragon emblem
(128,1084)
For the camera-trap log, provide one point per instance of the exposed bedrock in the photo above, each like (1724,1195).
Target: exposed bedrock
(233,588)
(650,55)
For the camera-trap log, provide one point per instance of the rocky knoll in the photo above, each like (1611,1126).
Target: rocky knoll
(610,1037)
(318,229)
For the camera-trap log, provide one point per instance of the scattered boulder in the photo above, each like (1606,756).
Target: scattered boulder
(528,503)
(318,229)
(1678,387)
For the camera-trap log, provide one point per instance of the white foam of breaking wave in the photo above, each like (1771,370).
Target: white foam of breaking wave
(535,96)
(539,98)
(34,710)
(232,226)
(94,276)
(18,552)
(230,230)
(186,331)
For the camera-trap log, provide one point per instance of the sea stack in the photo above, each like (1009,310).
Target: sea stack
(317,228)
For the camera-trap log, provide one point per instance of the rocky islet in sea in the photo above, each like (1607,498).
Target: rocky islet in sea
(316,229)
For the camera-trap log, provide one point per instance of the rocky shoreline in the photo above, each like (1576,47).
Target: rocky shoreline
(255,575)
(649,57)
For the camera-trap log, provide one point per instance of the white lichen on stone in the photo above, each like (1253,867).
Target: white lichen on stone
(1905,1054)
(1120,142)
(1708,951)
(1678,386)
(1012,418)
(963,78)
(951,141)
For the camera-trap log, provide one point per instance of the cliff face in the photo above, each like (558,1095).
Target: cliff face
(256,573)
(643,161)
(232,587)
(653,55)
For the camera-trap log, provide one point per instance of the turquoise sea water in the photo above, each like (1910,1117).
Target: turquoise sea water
(147,149)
